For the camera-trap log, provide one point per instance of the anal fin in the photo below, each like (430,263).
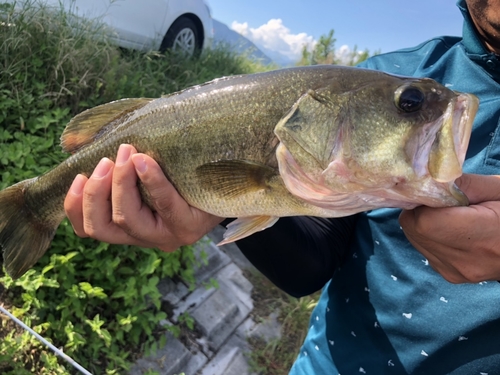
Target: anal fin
(245,226)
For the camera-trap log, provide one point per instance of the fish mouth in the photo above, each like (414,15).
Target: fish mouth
(441,145)
(448,150)
(440,148)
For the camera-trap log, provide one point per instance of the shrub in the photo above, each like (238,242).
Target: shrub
(98,302)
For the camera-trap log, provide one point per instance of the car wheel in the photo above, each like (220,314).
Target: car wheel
(182,37)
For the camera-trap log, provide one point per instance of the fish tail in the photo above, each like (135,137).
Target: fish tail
(24,235)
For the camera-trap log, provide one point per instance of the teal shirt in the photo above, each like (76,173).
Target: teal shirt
(386,311)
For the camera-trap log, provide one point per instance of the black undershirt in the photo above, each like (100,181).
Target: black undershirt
(300,254)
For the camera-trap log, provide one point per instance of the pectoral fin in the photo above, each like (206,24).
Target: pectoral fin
(231,178)
(245,226)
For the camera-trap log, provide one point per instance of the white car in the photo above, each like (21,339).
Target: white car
(184,25)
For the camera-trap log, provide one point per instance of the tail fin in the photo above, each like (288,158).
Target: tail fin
(23,237)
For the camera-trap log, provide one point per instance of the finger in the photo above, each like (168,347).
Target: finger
(463,248)
(435,224)
(428,248)
(130,213)
(134,218)
(448,272)
(184,222)
(98,210)
(456,227)
(96,201)
(126,199)
(455,265)
(480,188)
(73,204)
(163,196)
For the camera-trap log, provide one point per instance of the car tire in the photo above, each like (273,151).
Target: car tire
(182,37)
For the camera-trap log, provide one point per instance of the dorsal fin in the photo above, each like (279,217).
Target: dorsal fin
(91,124)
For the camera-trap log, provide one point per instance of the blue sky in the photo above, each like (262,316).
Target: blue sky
(383,25)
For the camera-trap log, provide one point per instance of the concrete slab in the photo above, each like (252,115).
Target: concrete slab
(169,360)
(166,286)
(204,346)
(219,345)
(237,341)
(231,359)
(233,278)
(238,366)
(173,292)
(195,364)
(192,301)
(217,317)
(215,260)
(227,363)
(231,249)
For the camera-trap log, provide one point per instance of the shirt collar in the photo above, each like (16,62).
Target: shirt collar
(474,47)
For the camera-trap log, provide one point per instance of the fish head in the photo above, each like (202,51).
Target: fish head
(376,141)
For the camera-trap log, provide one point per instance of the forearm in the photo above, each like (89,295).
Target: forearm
(300,254)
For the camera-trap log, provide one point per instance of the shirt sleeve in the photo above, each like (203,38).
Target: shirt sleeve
(300,254)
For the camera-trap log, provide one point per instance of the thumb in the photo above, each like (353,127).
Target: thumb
(162,196)
(187,224)
(480,188)
(159,192)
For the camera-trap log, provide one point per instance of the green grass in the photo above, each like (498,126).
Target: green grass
(98,302)
(277,356)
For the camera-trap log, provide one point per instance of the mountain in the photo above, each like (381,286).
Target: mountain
(278,57)
(224,35)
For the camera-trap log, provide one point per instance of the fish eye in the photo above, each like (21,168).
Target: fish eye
(409,99)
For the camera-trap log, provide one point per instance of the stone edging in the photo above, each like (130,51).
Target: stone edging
(218,345)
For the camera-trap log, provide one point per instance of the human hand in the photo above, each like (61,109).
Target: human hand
(108,207)
(461,243)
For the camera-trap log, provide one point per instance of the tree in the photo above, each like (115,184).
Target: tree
(324,50)
(324,53)
(306,57)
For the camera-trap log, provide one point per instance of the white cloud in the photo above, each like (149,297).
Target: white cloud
(274,38)
(277,37)
(345,55)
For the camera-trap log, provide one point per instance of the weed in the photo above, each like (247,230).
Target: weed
(98,302)
(276,357)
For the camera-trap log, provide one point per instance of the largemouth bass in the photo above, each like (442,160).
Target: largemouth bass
(322,141)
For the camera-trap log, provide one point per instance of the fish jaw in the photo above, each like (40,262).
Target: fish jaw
(438,152)
(356,197)
(460,124)
(330,202)
(463,118)
(439,148)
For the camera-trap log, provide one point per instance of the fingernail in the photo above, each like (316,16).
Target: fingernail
(123,155)
(140,164)
(102,168)
(78,185)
